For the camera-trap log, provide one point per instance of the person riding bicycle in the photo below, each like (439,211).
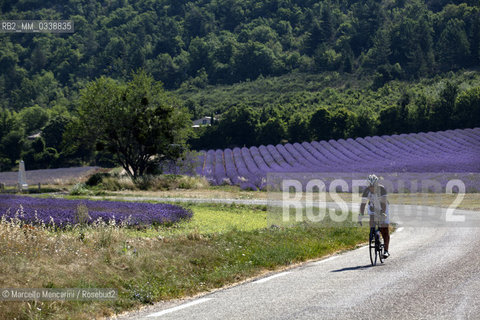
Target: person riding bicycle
(376,197)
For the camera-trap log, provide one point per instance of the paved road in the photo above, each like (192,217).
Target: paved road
(191,200)
(433,273)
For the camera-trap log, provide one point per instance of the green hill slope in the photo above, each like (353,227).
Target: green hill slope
(228,41)
(301,107)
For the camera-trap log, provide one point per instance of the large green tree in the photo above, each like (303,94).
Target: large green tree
(239,127)
(272,131)
(467,109)
(321,124)
(138,121)
(442,110)
(453,45)
(33,118)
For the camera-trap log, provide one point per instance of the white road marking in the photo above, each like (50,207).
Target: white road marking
(272,277)
(180,307)
(324,260)
(400,229)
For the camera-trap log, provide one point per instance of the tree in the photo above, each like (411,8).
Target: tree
(321,124)
(12,145)
(411,39)
(344,123)
(420,115)
(37,156)
(298,128)
(7,122)
(367,18)
(272,131)
(239,127)
(198,21)
(327,59)
(199,56)
(11,141)
(381,50)
(389,119)
(53,131)
(139,122)
(467,109)
(33,118)
(364,124)
(453,45)
(443,108)
(253,59)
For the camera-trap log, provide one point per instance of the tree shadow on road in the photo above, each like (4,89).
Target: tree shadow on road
(353,268)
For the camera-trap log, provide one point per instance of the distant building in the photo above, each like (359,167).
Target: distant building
(35,136)
(205,121)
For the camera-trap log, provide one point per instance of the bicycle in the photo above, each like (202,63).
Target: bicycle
(375,244)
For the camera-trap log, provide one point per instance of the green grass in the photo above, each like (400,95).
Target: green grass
(208,219)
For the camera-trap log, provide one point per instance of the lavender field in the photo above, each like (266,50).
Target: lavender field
(63,213)
(452,151)
(48,176)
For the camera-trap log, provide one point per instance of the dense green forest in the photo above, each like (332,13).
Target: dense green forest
(274,70)
(227,41)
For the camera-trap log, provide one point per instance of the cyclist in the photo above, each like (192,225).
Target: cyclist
(376,197)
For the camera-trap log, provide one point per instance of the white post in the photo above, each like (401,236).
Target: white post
(22,178)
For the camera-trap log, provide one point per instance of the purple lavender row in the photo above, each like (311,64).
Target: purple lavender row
(209,170)
(220,175)
(357,150)
(64,213)
(433,158)
(48,175)
(450,145)
(459,139)
(298,158)
(246,177)
(249,162)
(473,133)
(320,153)
(259,161)
(337,158)
(230,167)
(241,167)
(269,159)
(419,140)
(201,166)
(303,157)
(256,175)
(323,161)
(288,158)
(395,147)
(359,161)
(279,158)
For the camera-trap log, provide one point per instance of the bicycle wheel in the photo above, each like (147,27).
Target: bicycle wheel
(380,251)
(372,249)
(380,246)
